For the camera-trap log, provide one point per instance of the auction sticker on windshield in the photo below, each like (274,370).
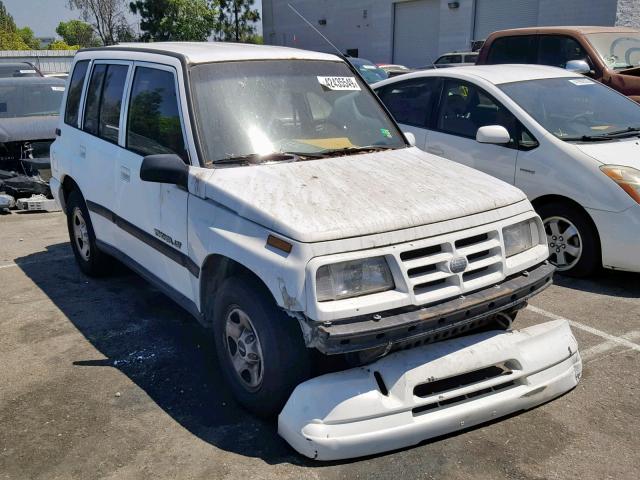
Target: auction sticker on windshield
(339,83)
(581,81)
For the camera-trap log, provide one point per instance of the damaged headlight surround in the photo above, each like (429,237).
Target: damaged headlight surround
(353,278)
(520,237)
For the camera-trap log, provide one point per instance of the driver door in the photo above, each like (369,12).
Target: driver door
(153,216)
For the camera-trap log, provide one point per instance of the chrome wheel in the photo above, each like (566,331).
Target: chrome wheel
(565,242)
(81,234)
(243,347)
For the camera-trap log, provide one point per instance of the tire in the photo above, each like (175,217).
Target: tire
(90,259)
(272,336)
(577,255)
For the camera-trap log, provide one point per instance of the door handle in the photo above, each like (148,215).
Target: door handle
(83,151)
(435,150)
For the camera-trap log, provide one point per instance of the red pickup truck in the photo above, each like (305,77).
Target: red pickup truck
(610,55)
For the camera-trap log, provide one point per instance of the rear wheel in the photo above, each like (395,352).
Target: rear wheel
(574,246)
(260,349)
(90,259)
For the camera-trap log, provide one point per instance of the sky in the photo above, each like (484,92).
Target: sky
(43,16)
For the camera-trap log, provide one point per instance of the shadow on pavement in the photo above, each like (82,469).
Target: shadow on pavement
(160,347)
(608,282)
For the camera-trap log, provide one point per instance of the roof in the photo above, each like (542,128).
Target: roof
(459,53)
(206,52)
(496,74)
(568,28)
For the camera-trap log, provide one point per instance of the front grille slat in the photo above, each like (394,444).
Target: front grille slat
(427,266)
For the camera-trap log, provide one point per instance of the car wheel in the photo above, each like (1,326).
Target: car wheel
(260,349)
(574,246)
(90,259)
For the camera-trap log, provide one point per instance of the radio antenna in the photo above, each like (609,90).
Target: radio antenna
(340,54)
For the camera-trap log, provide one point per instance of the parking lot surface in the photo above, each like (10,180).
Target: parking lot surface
(109,379)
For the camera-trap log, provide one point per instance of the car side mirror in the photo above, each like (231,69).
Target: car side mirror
(495,134)
(578,66)
(165,168)
(411,138)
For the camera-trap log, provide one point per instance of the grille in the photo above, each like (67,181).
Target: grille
(428,269)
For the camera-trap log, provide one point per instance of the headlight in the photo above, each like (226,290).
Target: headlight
(353,278)
(519,237)
(628,178)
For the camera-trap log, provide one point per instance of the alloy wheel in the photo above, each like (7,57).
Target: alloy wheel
(81,234)
(565,242)
(243,348)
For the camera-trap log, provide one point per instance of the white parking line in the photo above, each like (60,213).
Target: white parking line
(605,347)
(587,328)
(59,257)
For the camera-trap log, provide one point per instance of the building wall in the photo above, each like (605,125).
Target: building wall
(628,14)
(367,25)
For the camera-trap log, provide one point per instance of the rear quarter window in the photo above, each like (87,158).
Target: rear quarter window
(75,93)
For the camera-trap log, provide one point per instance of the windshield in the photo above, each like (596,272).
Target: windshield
(617,50)
(370,72)
(573,108)
(9,70)
(25,98)
(293,106)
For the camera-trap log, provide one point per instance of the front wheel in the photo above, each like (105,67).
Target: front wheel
(260,349)
(574,246)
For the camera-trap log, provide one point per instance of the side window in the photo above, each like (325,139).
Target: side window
(447,59)
(518,49)
(75,93)
(92,103)
(411,102)
(465,108)
(153,125)
(111,102)
(471,58)
(557,50)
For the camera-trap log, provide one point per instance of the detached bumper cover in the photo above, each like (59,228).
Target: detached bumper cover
(431,323)
(425,392)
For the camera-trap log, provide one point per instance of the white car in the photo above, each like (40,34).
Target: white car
(570,143)
(268,192)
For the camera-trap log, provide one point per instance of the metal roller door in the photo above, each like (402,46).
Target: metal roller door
(416,30)
(492,15)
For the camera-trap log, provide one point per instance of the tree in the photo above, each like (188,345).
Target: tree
(6,20)
(106,16)
(77,32)
(181,20)
(236,20)
(62,45)
(28,37)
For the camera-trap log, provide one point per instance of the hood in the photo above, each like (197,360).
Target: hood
(350,196)
(28,128)
(621,152)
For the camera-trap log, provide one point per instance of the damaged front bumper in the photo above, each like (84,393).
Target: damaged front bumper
(421,325)
(421,393)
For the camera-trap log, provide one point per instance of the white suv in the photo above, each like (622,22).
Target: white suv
(269,193)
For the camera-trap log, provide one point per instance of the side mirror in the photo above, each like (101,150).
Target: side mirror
(495,134)
(165,168)
(578,66)
(411,138)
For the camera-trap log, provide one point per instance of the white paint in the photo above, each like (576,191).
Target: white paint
(607,346)
(593,331)
(38,262)
(344,414)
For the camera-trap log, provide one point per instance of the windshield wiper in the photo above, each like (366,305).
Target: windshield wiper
(630,131)
(351,150)
(255,158)
(586,138)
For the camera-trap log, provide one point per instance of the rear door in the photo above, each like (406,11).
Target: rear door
(153,216)
(465,107)
(411,102)
(97,144)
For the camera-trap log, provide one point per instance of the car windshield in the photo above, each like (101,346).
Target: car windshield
(28,97)
(260,108)
(617,50)
(370,72)
(9,70)
(576,108)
